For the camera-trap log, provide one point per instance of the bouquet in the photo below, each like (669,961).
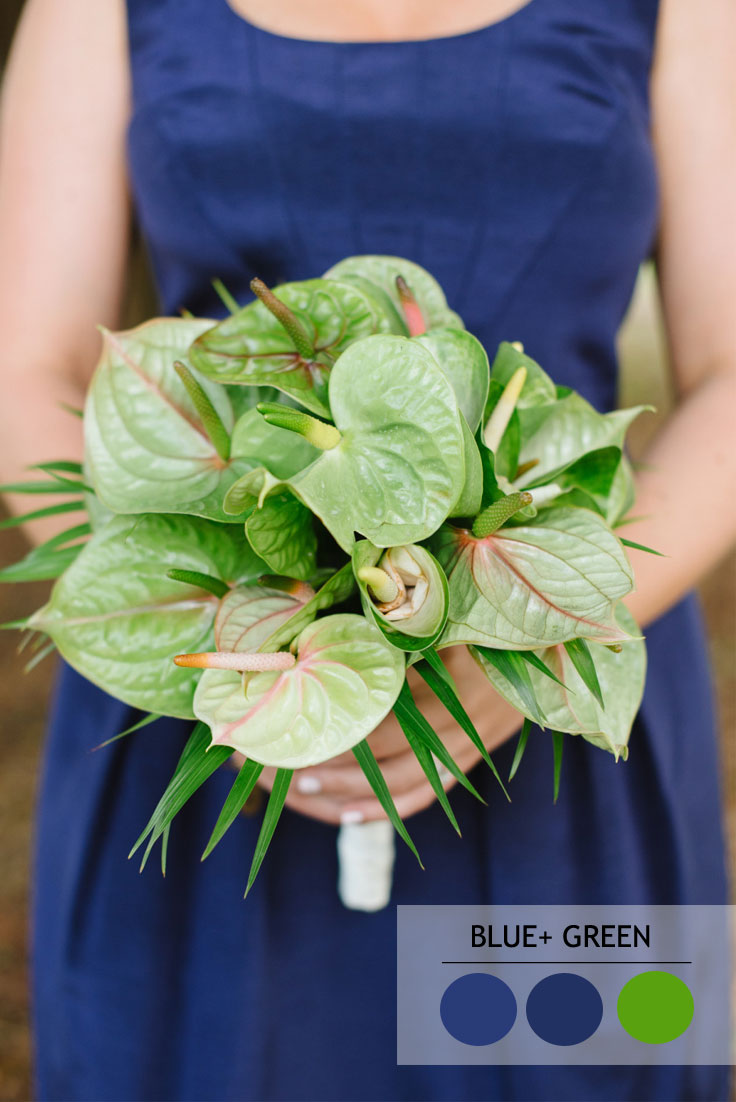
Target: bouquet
(290,507)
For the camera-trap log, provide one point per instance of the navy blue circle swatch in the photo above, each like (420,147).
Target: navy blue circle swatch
(478,1009)
(564,1009)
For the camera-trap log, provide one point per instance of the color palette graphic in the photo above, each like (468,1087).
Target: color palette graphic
(564,1009)
(655,1007)
(525,985)
(478,1009)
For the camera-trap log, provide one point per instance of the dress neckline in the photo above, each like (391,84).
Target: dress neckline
(378,43)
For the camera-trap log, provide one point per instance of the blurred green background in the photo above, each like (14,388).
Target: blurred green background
(24,698)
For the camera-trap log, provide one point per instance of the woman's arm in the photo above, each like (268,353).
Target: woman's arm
(63,222)
(687,489)
(687,486)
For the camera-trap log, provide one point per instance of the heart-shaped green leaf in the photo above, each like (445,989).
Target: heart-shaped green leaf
(344,683)
(559,434)
(533,585)
(538,390)
(147,449)
(282,534)
(463,360)
(383,270)
(252,347)
(571,707)
(119,620)
(421,596)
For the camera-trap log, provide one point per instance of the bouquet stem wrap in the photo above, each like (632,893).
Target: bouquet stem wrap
(365,854)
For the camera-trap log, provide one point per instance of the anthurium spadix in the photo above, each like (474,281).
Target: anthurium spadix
(392,465)
(118,619)
(569,706)
(344,681)
(290,337)
(405,590)
(537,584)
(159,437)
(383,271)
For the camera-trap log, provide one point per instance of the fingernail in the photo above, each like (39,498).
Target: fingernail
(352,816)
(308,785)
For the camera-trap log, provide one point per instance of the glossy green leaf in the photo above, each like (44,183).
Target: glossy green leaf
(119,620)
(533,585)
(252,347)
(419,618)
(345,681)
(538,388)
(470,500)
(383,270)
(282,534)
(558,745)
(147,450)
(463,360)
(571,707)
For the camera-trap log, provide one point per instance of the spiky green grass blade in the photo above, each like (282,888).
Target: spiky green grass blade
(534,660)
(446,693)
(581,658)
(427,762)
(38,514)
(520,747)
(66,466)
(558,745)
(432,658)
(512,666)
(271,816)
(241,789)
(57,485)
(150,718)
(49,559)
(642,547)
(196,764)
(406,712)
(374,776)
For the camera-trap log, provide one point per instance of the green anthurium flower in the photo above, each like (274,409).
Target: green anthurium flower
(423,287)
(344,681)
(392,463)
(569,706)
(534,585)
(290,337)
(248,616)
(405,590)
(158,438)
(463,360)
(118,619)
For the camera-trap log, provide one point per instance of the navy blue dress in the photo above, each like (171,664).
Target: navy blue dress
(515,163)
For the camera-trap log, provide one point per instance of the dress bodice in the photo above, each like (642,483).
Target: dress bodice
(514,162)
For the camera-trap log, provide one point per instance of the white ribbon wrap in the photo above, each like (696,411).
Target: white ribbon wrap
(365,856)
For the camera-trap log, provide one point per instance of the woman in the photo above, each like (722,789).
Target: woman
(506,146)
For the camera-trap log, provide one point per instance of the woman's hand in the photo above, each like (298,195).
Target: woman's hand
(337,790)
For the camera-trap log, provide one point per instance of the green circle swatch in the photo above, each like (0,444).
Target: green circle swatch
(655,1007)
